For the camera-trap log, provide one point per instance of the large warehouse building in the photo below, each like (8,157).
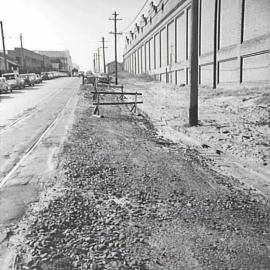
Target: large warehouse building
(160,43)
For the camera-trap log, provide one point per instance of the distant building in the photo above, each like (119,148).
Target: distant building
(111,67)
(29,61)
(60,60)
(12,66)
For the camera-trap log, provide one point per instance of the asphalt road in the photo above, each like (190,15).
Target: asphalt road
(33,122)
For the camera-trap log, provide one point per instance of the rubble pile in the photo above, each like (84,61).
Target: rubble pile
(132,200)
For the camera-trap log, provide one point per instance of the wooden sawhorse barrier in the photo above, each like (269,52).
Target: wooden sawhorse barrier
(97,94)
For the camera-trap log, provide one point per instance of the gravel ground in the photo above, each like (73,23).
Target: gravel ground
(235,120)
(132,200)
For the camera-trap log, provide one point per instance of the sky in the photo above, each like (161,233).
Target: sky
(74,25)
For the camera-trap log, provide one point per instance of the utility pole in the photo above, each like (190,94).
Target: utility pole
(215,46)
(98,56)
(22,54)
(94,63)
(4,47)
(193,107)
(115,33)
(103,51)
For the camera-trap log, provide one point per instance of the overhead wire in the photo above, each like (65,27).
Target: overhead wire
(145,3)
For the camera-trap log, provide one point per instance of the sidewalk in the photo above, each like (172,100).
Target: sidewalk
(234,129)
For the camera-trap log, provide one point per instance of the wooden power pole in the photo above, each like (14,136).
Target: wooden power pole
(215,46)
(103,54)
(22,54)
(98,59)
(94,63)
(194,52)
(4,47)
(115,33)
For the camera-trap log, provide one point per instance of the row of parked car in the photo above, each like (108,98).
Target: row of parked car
(48,75)
(11,81)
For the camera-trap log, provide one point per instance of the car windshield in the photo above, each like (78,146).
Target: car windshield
(9,77)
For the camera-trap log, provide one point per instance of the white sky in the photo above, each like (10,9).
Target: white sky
(75,25)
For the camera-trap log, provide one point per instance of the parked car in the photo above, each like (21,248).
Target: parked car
(13,80)
(39,79)
(44,76)
(33,76)
(27,80)
(50,75)
(90,78)
(4,86)
(104,78)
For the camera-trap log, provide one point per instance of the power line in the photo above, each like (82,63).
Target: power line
(136,16)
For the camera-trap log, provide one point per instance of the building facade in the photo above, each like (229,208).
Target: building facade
(30,61)
(111,67)
(60,60)
(12,66)
(237,30)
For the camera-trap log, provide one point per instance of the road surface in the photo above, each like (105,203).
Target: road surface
(33,122)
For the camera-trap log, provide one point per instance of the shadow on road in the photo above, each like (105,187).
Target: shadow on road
(17,92)
(5,97)
(31,88)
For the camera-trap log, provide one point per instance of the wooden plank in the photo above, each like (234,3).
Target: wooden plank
(116,93)
(116,86)
(117,103)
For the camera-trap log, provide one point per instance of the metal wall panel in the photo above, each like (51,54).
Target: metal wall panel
(206,74)
(228,71)
(171,43)
(163,47)
(207,25)
(256,68)
(256,18)
(181,38)
(152,54)
(157,50)
(229,22)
